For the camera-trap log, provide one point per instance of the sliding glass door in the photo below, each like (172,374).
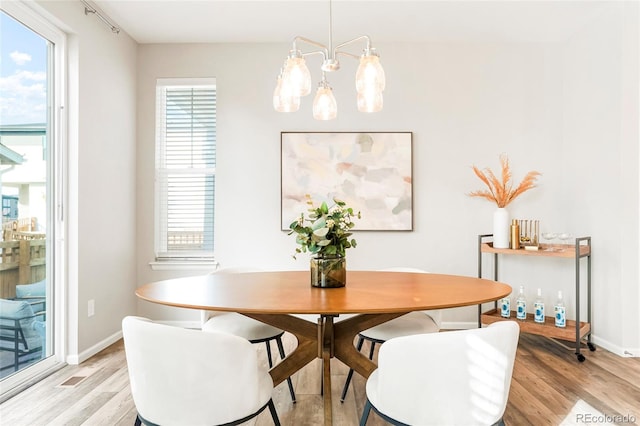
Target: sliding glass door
(30,125)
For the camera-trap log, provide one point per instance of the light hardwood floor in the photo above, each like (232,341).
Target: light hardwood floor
(549,387)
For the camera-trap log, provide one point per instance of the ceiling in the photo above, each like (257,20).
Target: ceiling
(229,21)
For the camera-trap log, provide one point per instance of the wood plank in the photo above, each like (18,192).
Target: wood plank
(562,250)
(120,409)
(610,394)
(548,329)
(530,408)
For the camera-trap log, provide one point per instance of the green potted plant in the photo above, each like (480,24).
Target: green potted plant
(325,232)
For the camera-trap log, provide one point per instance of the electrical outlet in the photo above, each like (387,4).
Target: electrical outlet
(91,308)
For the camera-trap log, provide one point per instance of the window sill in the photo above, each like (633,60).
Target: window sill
(184,265)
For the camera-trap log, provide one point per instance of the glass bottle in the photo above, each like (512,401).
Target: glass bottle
(505,307)
(521,305)
(560,311)
(538,307)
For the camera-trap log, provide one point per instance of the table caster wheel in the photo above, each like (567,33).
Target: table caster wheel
(591,346)
(581,357)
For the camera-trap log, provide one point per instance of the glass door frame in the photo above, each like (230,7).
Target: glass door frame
(35,18)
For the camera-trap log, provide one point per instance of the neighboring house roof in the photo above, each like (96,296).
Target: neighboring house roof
(9,156)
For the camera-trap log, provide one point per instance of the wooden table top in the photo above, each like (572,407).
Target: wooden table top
(290,292)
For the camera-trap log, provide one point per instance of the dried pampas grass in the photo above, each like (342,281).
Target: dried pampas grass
(501,191)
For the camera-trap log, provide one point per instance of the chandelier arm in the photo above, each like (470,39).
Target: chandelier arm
(362,37)
(340,52)
(316,52)
(323,48)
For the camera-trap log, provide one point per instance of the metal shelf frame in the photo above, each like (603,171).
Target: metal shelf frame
(582,250)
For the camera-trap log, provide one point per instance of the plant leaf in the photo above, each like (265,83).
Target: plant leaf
(319,223)
(321,232)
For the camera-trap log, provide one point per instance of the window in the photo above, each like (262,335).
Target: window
(185,168)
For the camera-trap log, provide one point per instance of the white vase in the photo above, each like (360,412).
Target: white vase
(501,228)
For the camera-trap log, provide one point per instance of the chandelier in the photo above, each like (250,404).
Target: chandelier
(294,80)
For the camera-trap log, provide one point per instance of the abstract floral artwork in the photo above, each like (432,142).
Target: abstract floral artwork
(370,171)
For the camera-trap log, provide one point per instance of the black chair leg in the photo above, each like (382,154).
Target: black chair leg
(274,414)
(322,378)
(373,346)
(365,413)
(137,422)
(350,375)
(282,355)
(269,354)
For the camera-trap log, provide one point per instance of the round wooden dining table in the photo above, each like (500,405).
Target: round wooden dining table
(275,297)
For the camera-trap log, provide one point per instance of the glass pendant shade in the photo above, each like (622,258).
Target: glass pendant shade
(324,104)
(370,101)
(370,74)
(283,99)
(297,75)
(294,80)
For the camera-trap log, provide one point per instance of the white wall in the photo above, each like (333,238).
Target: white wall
(569,110)
(465,103)
(601,164)
(101,188)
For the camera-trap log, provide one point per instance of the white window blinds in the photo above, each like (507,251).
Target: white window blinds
(185,168)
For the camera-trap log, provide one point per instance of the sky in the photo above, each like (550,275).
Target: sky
(23,73)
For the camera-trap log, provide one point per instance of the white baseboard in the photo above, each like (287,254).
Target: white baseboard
(620,351)
(86,354)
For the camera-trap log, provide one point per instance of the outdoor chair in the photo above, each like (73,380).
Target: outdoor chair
(35,295)
(21,333)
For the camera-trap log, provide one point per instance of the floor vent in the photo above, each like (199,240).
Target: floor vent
(72,381)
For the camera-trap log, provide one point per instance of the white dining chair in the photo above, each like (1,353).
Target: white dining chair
(180,376)
(451,378)
(239,325)
(419,322)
